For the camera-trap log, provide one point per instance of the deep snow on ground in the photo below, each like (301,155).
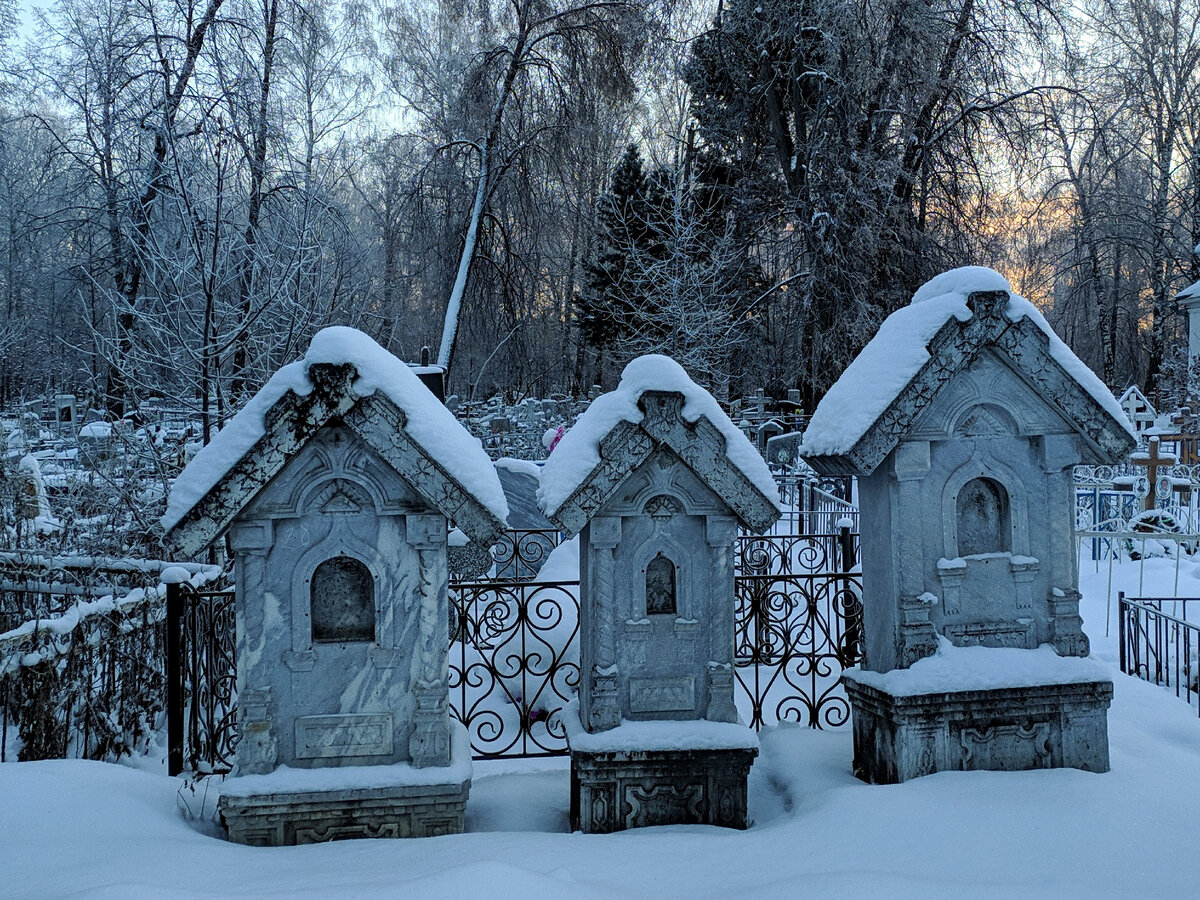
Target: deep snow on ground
(78,828)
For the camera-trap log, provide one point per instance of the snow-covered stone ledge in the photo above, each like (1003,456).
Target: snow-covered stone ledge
(292,780)
(662,736)
(953,669)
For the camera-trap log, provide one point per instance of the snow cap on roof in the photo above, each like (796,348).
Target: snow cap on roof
(899,351)
(427,422)
(578,453)
(1189,293)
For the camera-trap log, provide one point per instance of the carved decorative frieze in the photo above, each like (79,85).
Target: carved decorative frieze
(700,445)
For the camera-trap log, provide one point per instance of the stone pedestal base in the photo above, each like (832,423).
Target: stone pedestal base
(1047,726)
(307,817)
(612,791)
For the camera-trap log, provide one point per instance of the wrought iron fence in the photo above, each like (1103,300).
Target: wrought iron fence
(1161,646)
(514,658)
(518,554)
(798,625)
(514,664)
(202,679)
(82,674)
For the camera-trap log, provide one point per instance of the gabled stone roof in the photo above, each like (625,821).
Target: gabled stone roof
(292,422)
(700,445)
(1024,346)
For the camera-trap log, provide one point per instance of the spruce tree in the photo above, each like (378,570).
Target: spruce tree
(615,294)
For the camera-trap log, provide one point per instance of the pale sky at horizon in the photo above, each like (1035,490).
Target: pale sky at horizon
(25,10)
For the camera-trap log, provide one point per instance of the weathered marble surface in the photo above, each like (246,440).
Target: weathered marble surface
(340,702)
(338,523)
(966,498)
(965,488)
(659,516)
(275,820)
(292,423)
(698,445)
(955,348)
(897,738)
(632,789)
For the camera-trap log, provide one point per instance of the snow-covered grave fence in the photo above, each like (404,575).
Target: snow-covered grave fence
(814,505)
(514,654)
(1111,548)
(1110,498)
(1158,643)
(82,658)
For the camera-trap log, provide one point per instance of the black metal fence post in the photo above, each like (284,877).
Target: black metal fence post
(174,679)
(846,539)
(1121,613)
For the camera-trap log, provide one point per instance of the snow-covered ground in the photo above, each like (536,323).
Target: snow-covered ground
(98,830)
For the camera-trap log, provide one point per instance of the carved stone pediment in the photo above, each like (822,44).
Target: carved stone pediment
(1025,352)
(333,412)
(982,421)
(699,445)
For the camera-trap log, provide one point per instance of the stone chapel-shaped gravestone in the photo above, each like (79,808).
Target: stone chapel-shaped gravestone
(657,478)
(963,419)
(335,484)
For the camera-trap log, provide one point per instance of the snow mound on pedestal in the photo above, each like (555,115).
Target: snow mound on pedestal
(578,453)
(428,422)
(898,351)
(983,669)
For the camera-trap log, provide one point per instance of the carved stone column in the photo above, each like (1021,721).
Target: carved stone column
(1066,625)
(1059,454)
(429,743)
(257,750)
(605,711)
(721,533)
(915,635)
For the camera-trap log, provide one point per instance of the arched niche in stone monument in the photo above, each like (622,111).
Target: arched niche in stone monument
(343,601)
(660,586)
(984,522)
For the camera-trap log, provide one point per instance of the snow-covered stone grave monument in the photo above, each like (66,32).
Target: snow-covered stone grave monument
(335,483)
(656,478)
(963,419)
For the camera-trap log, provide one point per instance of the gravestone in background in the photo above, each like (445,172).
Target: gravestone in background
(964,468)
(337,515)
(655,738)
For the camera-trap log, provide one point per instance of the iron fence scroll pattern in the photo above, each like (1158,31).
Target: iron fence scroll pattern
(514,650)
(798,625)
(514,664)
(1161,646)
(519,553)
(201,657)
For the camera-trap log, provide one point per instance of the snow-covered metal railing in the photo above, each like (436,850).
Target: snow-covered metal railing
(67,667)
(1116,547)
(1107,497)
(1158,642)
(811,507)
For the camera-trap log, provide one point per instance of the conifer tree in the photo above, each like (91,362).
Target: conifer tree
(616,293)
